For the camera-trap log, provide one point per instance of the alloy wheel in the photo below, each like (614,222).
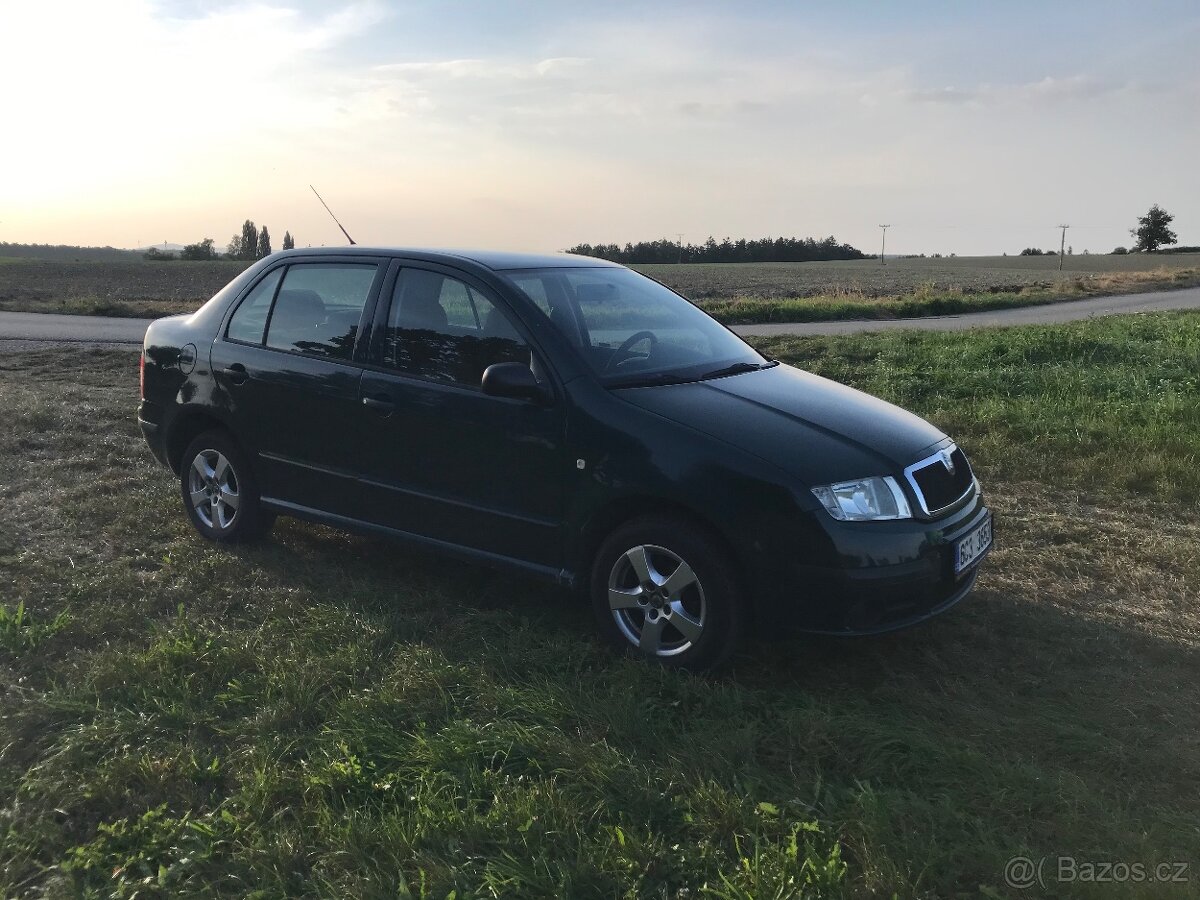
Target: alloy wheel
(213,489)
(656,600)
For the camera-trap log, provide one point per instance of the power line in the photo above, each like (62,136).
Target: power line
(1063,246)
(883,246)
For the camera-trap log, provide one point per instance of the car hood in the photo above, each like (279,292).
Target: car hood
(809,426)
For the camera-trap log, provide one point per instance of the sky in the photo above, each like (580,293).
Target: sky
(972,128)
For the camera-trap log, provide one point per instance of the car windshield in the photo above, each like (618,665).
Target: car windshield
(631,330)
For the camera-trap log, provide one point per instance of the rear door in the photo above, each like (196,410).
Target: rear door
(288,361)
(441,458)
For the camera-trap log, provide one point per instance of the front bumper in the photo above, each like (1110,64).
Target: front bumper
(892,578)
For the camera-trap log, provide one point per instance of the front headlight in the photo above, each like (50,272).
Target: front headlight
(864,500)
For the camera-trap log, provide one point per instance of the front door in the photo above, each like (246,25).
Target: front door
(286,361)
(441,458)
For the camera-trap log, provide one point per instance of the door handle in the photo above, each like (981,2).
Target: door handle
(381,405)
(235,373)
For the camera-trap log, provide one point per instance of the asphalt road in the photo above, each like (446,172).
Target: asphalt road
(30,330)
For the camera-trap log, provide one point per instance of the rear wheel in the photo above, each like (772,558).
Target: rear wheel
(219,492)
(668,591)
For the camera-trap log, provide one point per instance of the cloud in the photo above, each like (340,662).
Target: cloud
(1048,89)
(701,110)
(941,95)
(484,68)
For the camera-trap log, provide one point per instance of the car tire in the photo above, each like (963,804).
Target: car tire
(668,591)
(220,492)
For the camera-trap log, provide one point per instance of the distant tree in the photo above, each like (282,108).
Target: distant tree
(1153,231)
(1120,251)
(264,243)
(249,240)
(1034,251)
(203,250)
(157,255)
(244,245)
(289,243)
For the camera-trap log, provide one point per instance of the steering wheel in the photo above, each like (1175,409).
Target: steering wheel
(615,360)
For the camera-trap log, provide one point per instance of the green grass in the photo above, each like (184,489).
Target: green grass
(19,631)
(329,715)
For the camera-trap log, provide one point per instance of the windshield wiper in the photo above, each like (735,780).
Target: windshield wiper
(738,368)
(651,379)
(656,378)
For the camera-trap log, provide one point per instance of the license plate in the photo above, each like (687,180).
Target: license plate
(968,550)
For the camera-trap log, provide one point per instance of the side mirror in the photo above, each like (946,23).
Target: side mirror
(514,380)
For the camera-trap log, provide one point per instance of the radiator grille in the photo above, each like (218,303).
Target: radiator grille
(938,486)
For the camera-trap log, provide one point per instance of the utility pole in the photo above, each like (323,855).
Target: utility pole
(680,233)
(883,246)
(1063,246)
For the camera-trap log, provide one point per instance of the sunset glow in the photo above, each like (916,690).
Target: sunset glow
(540,125)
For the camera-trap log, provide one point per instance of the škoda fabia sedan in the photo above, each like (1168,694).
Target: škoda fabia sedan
(571,419)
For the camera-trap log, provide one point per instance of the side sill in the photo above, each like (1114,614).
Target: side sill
(543,573)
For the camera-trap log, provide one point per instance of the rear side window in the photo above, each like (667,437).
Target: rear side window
(319,307)
(249,320)
(442,329)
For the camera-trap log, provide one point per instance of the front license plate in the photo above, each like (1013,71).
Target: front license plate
(974,545)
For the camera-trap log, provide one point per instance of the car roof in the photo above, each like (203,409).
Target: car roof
(497,260)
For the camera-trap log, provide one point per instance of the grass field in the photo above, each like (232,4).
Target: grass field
(815,292)
(735,293)
(327,715)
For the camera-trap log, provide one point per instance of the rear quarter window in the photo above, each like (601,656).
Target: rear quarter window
(249,321)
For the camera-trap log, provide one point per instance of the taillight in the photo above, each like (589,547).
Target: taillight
(142,374)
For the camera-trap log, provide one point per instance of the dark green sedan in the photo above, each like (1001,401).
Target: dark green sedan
(571,419)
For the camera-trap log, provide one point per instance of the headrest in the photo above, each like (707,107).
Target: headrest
(302,304)
(596,292)
(419,299)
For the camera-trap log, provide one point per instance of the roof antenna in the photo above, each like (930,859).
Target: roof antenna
(335,219)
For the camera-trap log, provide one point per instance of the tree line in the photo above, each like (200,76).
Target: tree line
(254,243)
(66,252)
(250,244)
(726,251)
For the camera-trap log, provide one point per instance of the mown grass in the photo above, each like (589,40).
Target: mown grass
(326,715)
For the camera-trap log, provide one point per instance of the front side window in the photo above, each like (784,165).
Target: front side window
(442,329)
(632,330)
(319,307)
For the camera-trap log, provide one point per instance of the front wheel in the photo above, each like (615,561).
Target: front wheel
(667,590)
(219,490)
